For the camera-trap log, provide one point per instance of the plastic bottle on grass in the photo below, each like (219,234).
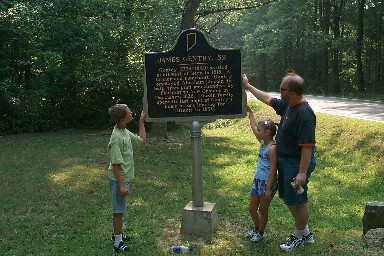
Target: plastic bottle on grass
(180,249)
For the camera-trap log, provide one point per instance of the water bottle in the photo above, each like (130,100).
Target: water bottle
(180,248)
(299,190)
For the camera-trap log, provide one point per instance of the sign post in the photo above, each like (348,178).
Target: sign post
(194,83)
(197,170)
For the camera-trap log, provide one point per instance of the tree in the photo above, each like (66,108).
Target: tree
(359,46)
(317,38)
(62,61)
(373,45)
(336,49)
(188,17)
(65,61)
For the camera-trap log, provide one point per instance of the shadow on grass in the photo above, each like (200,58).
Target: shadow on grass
(55,191)
(51,194)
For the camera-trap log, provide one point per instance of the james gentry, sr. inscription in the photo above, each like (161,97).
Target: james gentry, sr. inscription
(193,81)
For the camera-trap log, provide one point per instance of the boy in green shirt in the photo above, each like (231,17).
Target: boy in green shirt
(121,167)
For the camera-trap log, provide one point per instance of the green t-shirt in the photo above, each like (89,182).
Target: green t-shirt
(121,152)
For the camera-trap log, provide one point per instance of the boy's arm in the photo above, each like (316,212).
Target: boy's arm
(120,180)
(142,132)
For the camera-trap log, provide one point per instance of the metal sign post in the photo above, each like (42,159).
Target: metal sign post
(197,171)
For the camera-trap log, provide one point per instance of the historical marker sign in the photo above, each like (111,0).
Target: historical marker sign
(193,82)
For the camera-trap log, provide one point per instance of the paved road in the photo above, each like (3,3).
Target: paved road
(361,109)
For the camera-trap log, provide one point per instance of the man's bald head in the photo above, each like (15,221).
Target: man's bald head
(294,82)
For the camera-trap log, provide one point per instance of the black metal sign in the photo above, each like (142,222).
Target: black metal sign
(193,82)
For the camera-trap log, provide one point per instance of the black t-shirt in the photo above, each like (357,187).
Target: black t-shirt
(296,128)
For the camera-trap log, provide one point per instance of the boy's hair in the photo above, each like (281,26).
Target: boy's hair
(268,125)
(117,112)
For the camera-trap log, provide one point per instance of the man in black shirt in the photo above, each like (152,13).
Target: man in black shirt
(295,144)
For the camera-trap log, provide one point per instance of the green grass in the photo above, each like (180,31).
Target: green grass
(55,199)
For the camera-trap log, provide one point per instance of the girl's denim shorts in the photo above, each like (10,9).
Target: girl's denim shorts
(259,186)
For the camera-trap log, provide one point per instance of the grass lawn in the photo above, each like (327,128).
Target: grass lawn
(54,197)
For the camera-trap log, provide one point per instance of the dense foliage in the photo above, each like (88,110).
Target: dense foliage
(336,45)
(64,62)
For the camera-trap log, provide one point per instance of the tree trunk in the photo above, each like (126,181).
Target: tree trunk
(359,48)
(336,51)
(325,9)
(160,129)
(188,17)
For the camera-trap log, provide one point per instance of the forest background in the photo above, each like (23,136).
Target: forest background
(64,62)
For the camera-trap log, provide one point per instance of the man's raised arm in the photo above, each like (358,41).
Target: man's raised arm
(260,95)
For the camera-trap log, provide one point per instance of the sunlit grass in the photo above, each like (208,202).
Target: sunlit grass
(55,199)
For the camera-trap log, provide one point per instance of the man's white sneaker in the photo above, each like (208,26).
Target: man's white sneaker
(308,239)
(291,243)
